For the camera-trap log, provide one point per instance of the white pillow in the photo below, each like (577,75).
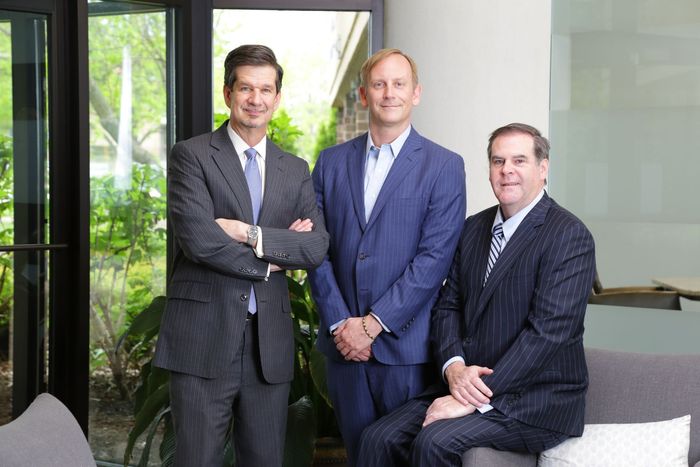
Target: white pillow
(655,444)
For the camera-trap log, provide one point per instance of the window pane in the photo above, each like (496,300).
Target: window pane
(625,109)
(24,305)
(6,291)
(128,148)
(24,206)
(321,53)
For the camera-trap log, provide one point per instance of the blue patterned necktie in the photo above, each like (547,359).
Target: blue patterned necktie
(252,176)
(496,247)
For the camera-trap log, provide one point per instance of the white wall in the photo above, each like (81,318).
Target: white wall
(482,64)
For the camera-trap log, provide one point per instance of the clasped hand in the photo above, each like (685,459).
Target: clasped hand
(352,341)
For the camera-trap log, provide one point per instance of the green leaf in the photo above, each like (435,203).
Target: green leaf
(317,367)
(146,454)
(167,446)
(144,417)
(301,434)
(147,322)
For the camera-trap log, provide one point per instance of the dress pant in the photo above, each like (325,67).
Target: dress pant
(202,409)
(398,439)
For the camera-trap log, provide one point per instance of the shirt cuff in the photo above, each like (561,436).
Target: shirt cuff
(484,408)
(450,362)
(379,320)
(335,326)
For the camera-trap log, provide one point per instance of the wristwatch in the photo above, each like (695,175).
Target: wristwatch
(252,235)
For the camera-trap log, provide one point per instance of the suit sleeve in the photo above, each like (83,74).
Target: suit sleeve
(439,235)
(446,335)
(191,211)
(325,288)
(558,308)
(298,250)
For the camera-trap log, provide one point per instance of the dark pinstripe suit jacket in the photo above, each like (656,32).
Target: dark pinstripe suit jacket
(395,263)
(211,277)
(526,323)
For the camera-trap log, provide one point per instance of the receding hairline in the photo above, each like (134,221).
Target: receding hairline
(379,57)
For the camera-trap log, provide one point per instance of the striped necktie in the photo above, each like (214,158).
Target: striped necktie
(496,247)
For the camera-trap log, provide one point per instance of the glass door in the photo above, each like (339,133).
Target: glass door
(24,210)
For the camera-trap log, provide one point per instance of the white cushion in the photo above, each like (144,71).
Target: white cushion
(655,444)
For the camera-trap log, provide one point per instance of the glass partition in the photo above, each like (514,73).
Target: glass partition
(24,210)
(625,113)
(129,73)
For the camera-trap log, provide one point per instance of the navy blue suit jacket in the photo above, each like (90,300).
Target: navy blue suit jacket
(526,323)
(395,263)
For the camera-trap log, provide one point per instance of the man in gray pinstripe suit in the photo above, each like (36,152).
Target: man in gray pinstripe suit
(507,331)
(242,211)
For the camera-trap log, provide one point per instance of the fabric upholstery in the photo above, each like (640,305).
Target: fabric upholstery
(45,435)
(632,388)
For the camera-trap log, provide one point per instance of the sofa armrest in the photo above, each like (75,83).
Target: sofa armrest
(487,457)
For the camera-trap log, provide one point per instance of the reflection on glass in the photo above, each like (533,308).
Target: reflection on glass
(128,148)
(5,333)
(625,109)
(24,205)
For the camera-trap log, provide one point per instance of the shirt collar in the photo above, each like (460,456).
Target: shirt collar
(511,225)
(395,145)
(240,146)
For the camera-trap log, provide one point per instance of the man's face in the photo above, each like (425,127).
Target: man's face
(390,94)
(514,172)
(253,98)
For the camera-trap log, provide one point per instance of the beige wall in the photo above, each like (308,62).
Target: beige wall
(482,64)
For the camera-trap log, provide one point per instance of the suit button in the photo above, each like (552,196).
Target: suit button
(362,256)
(244,297)
(467,340)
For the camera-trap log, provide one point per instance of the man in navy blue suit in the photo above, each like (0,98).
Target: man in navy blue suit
(508,327)
(393,203)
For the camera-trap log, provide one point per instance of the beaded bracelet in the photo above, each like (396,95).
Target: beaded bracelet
(364,326)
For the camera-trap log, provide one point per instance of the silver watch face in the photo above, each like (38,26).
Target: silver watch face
(252,233)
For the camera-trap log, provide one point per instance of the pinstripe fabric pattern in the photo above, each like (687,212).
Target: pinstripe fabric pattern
(205,407)
(209,288)
(399,440)
(394,263)
(527,321)
(526,324)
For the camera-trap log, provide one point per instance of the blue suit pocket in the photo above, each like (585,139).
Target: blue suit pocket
(186,290)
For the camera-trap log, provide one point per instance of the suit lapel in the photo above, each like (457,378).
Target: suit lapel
(226,159)
(404,163)
(274,176)
(513,249)
(356,171)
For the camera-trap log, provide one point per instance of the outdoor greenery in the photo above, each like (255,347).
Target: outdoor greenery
(128,229)
(6,228)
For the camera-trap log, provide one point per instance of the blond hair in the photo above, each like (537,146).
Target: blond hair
(378,57)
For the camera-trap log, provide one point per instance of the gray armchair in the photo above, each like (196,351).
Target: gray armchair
(45,435)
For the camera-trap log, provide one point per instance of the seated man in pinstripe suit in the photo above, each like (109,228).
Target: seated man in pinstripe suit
(507,331)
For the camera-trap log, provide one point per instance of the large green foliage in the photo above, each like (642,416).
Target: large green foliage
(127,240)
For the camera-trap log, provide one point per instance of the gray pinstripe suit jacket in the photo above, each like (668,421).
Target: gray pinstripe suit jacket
(211,276)
(526,323)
